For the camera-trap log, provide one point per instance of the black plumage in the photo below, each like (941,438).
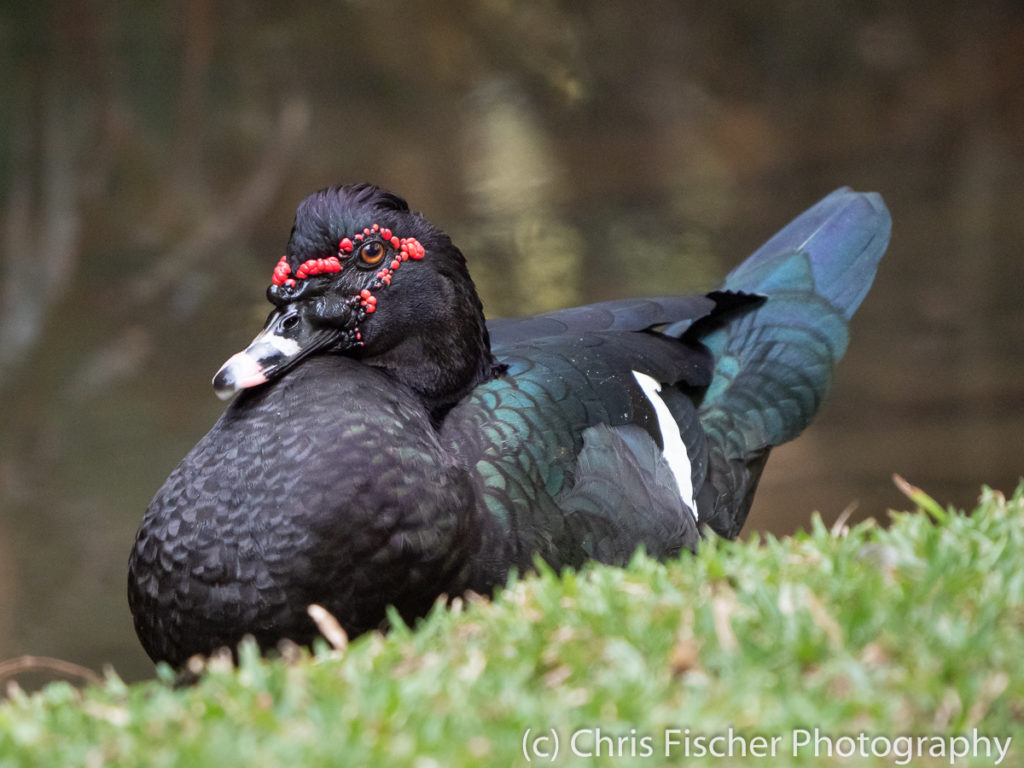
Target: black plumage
(389,446)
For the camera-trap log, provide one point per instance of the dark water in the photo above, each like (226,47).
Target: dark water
(152,159)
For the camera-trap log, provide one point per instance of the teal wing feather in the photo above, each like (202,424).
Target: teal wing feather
(565,449)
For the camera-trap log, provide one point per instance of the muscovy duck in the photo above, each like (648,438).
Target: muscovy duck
(388,445)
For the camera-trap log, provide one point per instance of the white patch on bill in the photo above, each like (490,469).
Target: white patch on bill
(285,346)
(674,449)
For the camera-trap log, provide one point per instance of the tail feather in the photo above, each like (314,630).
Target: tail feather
(844,236)
(774,364)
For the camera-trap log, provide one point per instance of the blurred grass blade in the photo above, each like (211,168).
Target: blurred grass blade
(920,498)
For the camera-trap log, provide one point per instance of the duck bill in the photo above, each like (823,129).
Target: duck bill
(283,342)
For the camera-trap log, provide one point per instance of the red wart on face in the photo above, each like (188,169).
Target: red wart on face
(407,247)
(309,267)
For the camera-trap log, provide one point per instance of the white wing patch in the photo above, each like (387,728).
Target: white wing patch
(674,449)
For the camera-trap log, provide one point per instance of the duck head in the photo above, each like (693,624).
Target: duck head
(364,276)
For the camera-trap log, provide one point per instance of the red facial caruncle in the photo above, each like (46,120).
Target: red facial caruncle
(309,267)
(408,248)
(404,248)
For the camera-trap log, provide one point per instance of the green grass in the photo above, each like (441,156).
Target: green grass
(915,629)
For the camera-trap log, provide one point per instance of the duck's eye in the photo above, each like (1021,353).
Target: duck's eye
(372,253)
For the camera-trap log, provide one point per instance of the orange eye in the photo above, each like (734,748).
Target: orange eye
(372,253)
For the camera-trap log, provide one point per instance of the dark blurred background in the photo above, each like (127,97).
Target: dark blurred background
(152,155)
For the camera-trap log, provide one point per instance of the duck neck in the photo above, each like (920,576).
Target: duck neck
(445,356)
